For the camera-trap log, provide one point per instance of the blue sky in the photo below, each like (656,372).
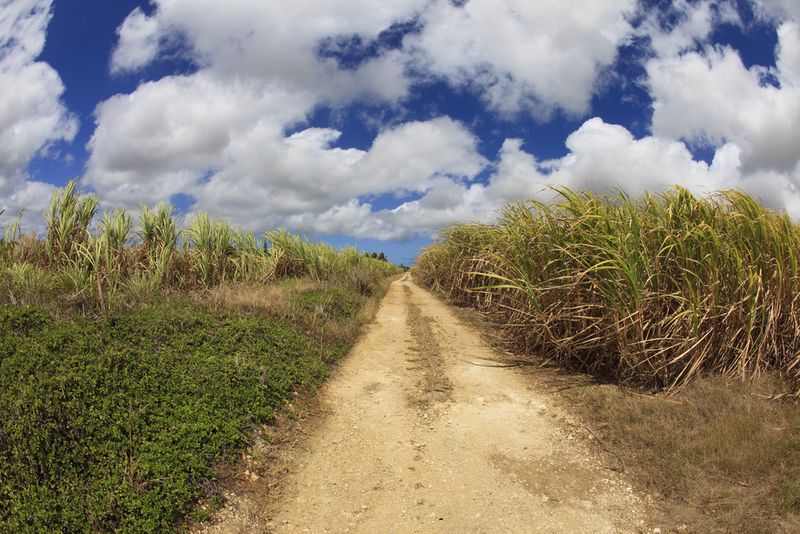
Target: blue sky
(376,123)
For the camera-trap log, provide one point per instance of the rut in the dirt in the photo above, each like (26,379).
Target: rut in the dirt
(475,450)
(432,383)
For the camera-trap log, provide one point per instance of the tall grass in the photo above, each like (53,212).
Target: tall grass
(211,248)
(12,233)
(158,234)
(68,221)
(117,263)
(294,256)
(651,291)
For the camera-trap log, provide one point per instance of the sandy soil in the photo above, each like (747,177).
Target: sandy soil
(423,430)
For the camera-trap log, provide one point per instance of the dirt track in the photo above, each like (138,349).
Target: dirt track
(423,431)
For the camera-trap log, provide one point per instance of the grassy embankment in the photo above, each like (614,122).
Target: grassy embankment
(666,293)
(136,357)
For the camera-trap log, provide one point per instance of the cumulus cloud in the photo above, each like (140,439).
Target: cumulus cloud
(303,178)
(521,55)
(692,24)
(221,131)
(710,97)
(231,135)
(167,135)
(224,143)
(32,116)
(605,156)
(602,157)
(139,37)
(779,9)
(219,135)
(273,41)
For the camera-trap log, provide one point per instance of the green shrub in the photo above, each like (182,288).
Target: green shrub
(114,424)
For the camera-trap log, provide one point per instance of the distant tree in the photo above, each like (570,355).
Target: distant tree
(382,257)
(374,255)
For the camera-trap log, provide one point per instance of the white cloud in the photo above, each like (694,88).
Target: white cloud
(605,156)
(788,62)
(22,25)
(273,41)
(779,9)
(32,116)
(406,157)
(521,55)
(34,196)
(711,97)
(139,37)
(302,178)
(224,143)
(695,22)
(230,134)
(602,157)
(165,136)
(219,134)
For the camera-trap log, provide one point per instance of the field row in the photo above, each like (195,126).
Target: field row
(650,291)
(87,265)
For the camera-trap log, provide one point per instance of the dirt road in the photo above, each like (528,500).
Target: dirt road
(424,432)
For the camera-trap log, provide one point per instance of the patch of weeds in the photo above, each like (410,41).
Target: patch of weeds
(331,302)
(726,456)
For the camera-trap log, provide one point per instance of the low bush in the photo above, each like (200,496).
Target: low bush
(115,424)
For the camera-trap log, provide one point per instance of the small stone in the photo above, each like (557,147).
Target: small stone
(656,530)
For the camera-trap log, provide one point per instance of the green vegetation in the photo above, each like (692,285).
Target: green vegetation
(114,424)
(134,358)
(120,264)
(651,291)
